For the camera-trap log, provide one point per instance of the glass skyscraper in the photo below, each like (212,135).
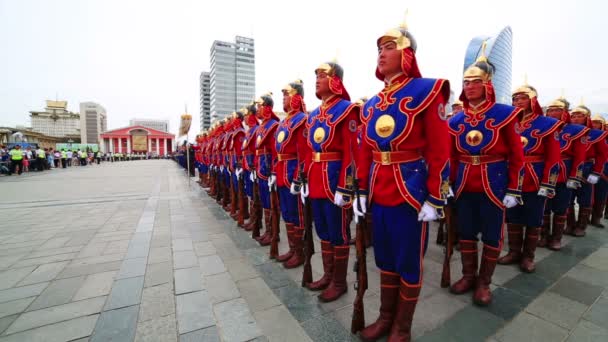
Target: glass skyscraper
(499,53)
(205,104)
(232,77)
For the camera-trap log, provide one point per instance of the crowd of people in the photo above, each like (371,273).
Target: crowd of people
(18,160)
(400,160)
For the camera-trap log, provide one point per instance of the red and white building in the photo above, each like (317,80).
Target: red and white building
(136,139)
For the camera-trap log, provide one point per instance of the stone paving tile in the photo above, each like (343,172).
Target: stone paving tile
(22,292)
(116,325)
(506,303)
(194,311)
(326,328)
(157,301)
(598,314)
(188,280)
(44,260)
(209,334)
(274,275)
(598,260)
(184,259)
(58,292)
(182,245)
(59,332)
(577,290)
(526,327)
(277,324)
(95,285)
(257,294)
(159,254)
(465,326)
(93,250)
(38,318)
(299,302)
(125,292)
(132,268)
(11,277)
(44,273)
(589,275)
(430,313)
(54,251)
(55,243)
(5,322)
(558,310)
(588,332)
(204,248)
(15,306)
(240,269)
(221,287)
(235,321)
(162,329)
(138,250)
(157,274)
(211,264)
(100,259)
(72,271)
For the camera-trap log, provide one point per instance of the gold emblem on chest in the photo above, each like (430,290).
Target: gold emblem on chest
(474,138)
(385,126)
(319,135)
(281,136)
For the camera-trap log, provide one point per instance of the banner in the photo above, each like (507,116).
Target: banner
(140,143)
(76,147)
(184,124)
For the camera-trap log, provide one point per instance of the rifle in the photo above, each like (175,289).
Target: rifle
(241,217)
(450,223)
(274,217)
(233,194)
(257,208)
(360,267)
(309,245)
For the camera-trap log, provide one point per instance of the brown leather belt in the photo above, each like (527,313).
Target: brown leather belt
(286,156)
(261,151)
(395,157)
(478,160)
(533,159)
(318,157)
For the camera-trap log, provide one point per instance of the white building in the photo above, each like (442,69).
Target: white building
(232,76)
(56,120)
(93,121)
(205,104)
(159,125)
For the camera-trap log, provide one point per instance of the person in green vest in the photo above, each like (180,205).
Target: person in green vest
(16,159)
(64,158)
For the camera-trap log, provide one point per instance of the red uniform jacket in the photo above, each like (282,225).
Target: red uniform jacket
(292,148)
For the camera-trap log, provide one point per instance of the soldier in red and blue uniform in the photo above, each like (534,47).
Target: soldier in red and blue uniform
(204,162)
(225,162)
(249,166)
(403,167)
(235,146)
(540,139)
(573,152)
(593,167)
(601,188)
(292,149)
(487,173)
(330,128)
(266,156)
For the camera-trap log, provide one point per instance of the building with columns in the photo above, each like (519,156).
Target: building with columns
(136,139)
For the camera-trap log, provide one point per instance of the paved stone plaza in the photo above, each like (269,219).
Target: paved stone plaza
(132,251)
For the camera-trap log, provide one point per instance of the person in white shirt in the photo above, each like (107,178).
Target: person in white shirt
(70,156)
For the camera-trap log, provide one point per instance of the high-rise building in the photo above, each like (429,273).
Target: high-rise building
(56,120)
(205,79)
(93,121)
(499,53)
(159,125)
(232,76)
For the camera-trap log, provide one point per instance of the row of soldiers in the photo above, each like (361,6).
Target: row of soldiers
(399,161)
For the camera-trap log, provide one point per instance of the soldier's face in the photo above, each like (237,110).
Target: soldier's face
(521,101)
(473,90)
(555,113)
(389,59)
(322,85)
(597,124)
(578,118)
(456,109)
(286,99)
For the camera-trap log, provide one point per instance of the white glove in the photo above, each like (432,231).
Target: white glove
(292,189)
(543,192)
(593,179)
(359,207)
(238,172)
(339,199)
(304,193)
(427,213)
(222,168)
(509,201)
(572,184)
(272,180)
(450,192)
(251,177)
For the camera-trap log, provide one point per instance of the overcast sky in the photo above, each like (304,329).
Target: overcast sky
(143,58)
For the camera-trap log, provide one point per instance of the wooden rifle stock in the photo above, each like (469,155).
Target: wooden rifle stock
(309,245)
(449,244)
(274,222)
(241,217)
(257,208)
(360,267)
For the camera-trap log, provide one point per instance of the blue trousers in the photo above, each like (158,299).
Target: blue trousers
(478,214)
(248,184)
(560,203)
(601,191)
(400,241)
(584,195)
(529,214)
(264,193)
(291,206)
(331,222)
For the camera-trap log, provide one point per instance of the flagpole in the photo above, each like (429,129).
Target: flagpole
(187,160)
